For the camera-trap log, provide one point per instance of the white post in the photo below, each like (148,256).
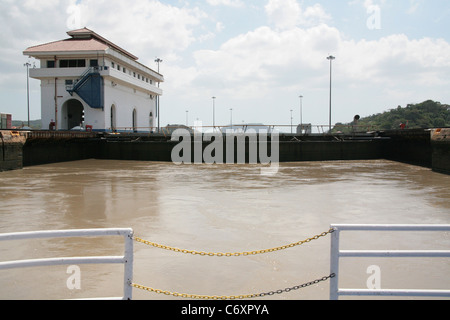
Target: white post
(334,264)
(128,267)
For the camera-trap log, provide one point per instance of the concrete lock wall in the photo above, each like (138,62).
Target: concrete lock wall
(47,151)
(11,150)
(440,140)
(417,147)
(289,151)
(409,146)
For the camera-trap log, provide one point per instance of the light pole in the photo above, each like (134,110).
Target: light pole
(292,118)
(28,65)
(301,114)
(214,113)
(187,118)
(158,109)
(331,58)
(231,118)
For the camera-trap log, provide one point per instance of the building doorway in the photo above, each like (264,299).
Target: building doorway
(74,114)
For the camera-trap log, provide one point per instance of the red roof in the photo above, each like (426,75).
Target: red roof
(82,40)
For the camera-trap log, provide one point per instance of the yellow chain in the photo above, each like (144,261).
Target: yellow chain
(195,296)
(236,254)
(239,297)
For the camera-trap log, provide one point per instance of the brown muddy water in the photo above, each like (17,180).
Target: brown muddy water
(221,208)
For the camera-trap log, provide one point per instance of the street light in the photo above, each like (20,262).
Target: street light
(158,109)
(214,113)
(187,116)
(331,58)
(231,118)
(301,114)
(28,65)
(292,118)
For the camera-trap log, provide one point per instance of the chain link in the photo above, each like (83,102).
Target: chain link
(307,284)
(235,297)
(236,254)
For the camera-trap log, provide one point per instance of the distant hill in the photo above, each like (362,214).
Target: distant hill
(428,114)
(34,124)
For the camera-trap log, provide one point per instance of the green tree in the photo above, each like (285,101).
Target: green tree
(428,114)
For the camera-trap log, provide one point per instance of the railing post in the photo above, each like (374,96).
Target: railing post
(128,267)
(334,264)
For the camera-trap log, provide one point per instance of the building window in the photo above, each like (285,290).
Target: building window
(93,63)
(72,63)
(113,65)
(50,64)
(118,67)
(124,70)
(134,74)
(69,82)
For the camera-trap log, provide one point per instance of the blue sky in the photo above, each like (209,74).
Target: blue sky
(255,56)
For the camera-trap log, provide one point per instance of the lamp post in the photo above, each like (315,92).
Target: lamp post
(231,118)
(292,119)
(187,118)
(214,113)
(28,65)
(331,58)
(158,109)
(301,114)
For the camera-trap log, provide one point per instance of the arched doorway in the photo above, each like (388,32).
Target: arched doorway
(113,118)
(74,114)
(135,120)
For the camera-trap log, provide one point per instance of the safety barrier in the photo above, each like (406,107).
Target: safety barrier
(60,135)
(126,259)
(337,253)
(236,254)
(240,128)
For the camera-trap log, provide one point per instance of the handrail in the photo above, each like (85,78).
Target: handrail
(126,259)
(320,129)
(90,70)
(336,253)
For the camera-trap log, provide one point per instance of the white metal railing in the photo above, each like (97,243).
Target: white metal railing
(337,253)
(126,259)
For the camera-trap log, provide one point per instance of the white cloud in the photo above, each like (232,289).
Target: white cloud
(267,63)
(283,14)
(264,67)
(315,14)
(286,14)
(146,25)
(228,3)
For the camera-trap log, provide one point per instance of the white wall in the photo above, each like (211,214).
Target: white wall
(125,99)
(120,89)
(94,117)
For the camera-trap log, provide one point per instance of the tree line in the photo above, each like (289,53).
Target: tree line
(428,114)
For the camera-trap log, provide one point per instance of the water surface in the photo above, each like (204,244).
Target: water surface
(221,208)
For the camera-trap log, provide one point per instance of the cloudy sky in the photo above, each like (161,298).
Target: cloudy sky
(257,57)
